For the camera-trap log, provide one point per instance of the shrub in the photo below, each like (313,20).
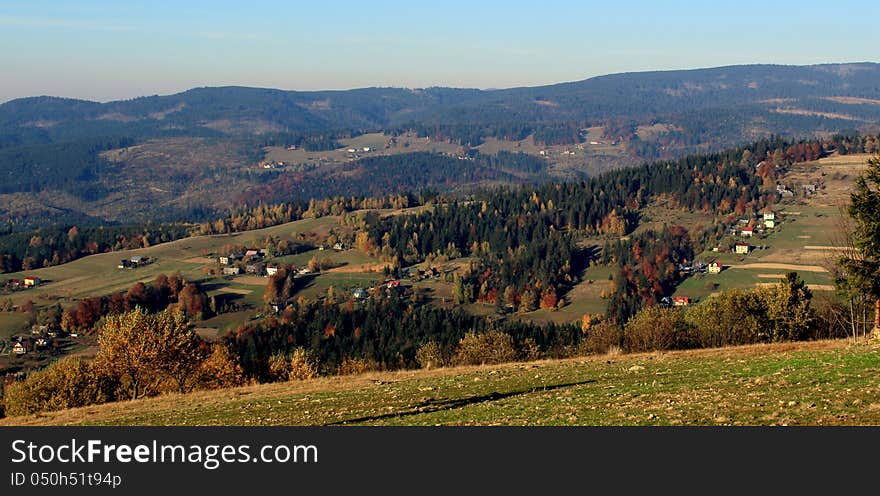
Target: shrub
(279,367)
(602,337)
(220,369)
(68,383)
(529,350)
(485,348)
(657,328)
(730,318)
(353,366)
(303,365)
(430,356)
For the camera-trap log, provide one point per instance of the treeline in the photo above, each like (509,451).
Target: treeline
(313,142)
(247,218)
(163,292)
(72,166)
(57,245)
(383,175)
(382,333)
(472,135)
(518,163)
(782,312)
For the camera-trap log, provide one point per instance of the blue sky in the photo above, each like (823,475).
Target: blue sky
(105,50)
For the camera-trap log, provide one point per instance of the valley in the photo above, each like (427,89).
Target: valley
(807,229)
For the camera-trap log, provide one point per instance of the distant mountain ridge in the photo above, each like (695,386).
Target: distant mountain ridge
(195,154)
(809,98)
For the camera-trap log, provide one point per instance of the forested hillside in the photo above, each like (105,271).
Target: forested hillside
(192,155)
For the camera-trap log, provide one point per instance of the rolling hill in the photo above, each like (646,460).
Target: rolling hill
(800,98)
(191,155)
(812,383)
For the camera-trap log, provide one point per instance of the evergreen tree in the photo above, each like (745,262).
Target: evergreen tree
(863,268)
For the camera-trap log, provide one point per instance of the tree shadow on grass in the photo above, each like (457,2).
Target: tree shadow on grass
(433,405)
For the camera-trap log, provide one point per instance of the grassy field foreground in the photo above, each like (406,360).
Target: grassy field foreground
(815,383)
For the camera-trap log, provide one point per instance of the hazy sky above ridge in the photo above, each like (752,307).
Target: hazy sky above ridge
(105,50)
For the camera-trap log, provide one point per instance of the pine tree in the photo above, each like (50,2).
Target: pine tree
(864,267)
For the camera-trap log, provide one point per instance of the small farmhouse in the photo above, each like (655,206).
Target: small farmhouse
(31,282)
(19,348)
(271,271)
(230,259)
(715,267)
(769,224)
(231,271)
(742,248)
(748,232)
(681,301)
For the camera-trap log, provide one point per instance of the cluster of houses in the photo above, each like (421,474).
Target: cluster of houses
(133,262)
(24,283)
(251,262)
(337,246)
(41,338)
(390,286)
(247,262)
(713,267)
(746,228)
(697,268)
(809,189)
(676,301)
(417,274)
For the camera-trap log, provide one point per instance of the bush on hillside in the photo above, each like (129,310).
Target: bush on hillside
(68,383)
(430,356)
(657,328)
(603,337)
(220,369)
(303,365)
(354,366)
(485,348)
(279,367)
